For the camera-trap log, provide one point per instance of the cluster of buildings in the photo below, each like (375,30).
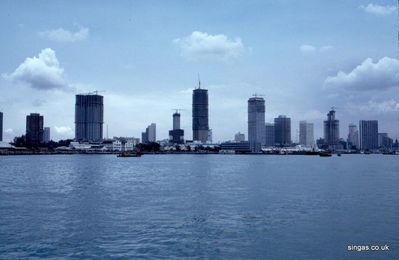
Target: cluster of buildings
(263,135)
(89,123)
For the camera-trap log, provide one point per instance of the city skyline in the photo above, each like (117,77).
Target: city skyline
(300,74)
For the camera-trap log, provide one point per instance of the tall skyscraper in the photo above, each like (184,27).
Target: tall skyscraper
(46,135)
(256,123)
(151,132)
(176,135)
(269,132)
(331,130)
(306,137)
(368,133)
(89,117)
(200,114)
(239,137)
(34,129)
(282,130)
(1,126)
(353,136)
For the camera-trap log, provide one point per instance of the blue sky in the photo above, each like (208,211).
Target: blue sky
(303,56)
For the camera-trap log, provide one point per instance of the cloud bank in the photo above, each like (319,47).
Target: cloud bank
(201,44)
(380,107)
(42,72)
(379,9)
(383,74)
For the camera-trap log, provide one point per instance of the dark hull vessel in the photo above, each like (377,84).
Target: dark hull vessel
(127,154)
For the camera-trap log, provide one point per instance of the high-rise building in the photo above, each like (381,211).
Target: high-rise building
(282,130)
(269,132)
(89,117)
(210,136)
(331,131)
(200,114)
(144,138)
(368,134)
(46,135)
(34,129)
(1,126)
(151,132)
(306,137)
(176,135)
(239,137)
(353,136)
(176,121)
(384,141)
(256,123)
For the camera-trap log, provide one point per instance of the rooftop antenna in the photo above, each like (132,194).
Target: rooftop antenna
(199,81)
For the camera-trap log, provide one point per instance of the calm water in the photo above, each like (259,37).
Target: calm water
(205,206)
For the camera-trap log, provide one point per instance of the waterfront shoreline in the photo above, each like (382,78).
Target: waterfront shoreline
(18,153)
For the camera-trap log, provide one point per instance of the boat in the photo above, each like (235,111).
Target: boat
(338,154)
(129,154)
(325,154)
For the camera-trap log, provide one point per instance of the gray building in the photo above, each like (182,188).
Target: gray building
(176,135)
(89,117)
(331,131)
(306,137)
(368,134)
(269,135)
(200,115)
(46,135)
(1,126)
(239,137)
(384,141)
(282,130)
(237,147)
(144,138)
(256,123)
(353,137)
(151,132)
(34,129)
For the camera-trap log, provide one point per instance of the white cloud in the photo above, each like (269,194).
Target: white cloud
(62,35)
(380,107)
(41,72)
(307,48)
(9,131)
(186,91)
(202,44)
(381,75)
(326,48)
(379,9)
(63,130)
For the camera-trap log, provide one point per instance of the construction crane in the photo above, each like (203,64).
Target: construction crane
(95,92)
(257,95)
(177,110)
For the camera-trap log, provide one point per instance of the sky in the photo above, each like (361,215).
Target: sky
(144,57)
